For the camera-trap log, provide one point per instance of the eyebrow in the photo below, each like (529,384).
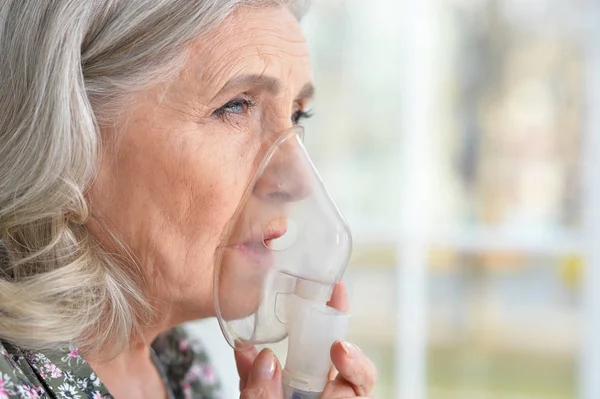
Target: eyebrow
(269,83)
(307,91)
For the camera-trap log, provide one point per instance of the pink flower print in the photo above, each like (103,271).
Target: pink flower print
(96,395)
(74,353)
(184,345)
(5,386)
(54,371)
(208,375)
(29,392)
(194,373)
(187,390)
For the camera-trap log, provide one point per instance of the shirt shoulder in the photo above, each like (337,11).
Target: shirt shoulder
(187,365)
(57,374)
(17,379)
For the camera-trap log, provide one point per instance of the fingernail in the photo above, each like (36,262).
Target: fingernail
(266,366)
(350,349)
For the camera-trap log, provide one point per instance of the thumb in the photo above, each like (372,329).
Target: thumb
(264,381)
(244,361)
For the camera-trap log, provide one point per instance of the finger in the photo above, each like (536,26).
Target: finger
(358,397)
(264,381)
(333,373)
(354,367)
(339,298)
(337,389)
(243,362)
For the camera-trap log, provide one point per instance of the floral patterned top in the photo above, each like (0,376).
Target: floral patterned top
(64,374)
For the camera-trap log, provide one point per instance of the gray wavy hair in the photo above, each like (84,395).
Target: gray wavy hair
(66,65)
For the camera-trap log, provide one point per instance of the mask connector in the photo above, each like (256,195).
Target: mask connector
(313,328)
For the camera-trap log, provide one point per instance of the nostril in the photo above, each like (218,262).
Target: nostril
(281,196)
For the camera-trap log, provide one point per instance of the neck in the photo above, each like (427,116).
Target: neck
(132,374)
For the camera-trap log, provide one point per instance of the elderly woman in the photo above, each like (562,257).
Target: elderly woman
(126,144)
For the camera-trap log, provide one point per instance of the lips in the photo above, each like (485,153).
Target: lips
(258,249)
(276,229)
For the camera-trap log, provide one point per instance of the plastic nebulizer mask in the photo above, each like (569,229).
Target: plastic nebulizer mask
(283,252)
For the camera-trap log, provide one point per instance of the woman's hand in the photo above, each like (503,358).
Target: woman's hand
(353,375)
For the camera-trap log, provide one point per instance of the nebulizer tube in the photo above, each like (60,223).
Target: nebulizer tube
(284,251)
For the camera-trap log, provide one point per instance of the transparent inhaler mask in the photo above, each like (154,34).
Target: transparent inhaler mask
(283,252)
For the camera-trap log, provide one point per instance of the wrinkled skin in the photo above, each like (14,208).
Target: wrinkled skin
(172,177)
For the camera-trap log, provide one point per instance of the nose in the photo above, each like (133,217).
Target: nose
(289,174)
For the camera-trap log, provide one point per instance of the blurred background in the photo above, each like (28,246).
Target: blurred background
(459,138)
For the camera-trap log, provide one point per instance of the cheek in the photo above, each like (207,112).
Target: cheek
(207,201)
(211,180)
(170,192)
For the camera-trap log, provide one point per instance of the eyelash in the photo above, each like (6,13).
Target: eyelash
(247,104)
(226,109)
(301,115)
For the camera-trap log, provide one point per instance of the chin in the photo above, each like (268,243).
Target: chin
(240,285)
(238,306)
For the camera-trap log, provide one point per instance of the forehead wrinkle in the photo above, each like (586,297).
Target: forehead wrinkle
(249,47)
(253,46)
(211,45)
(226,64)
(271,83)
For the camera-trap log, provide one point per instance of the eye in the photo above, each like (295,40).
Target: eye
(238,106)
(300,115)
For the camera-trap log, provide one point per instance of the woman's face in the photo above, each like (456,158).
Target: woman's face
(172,176)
